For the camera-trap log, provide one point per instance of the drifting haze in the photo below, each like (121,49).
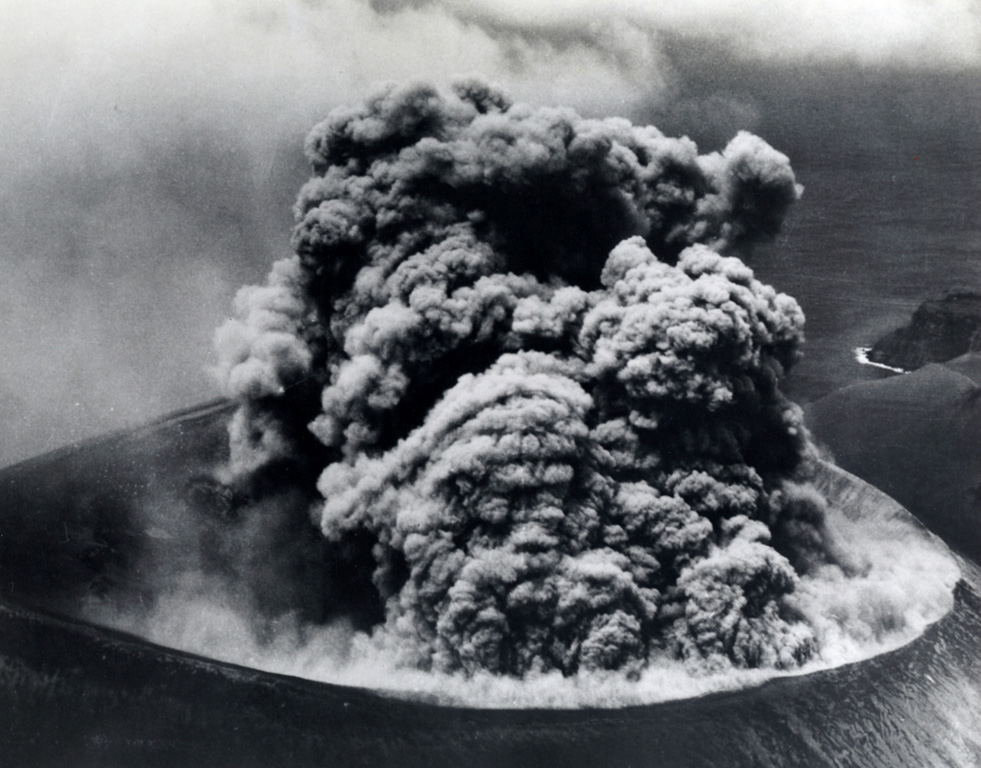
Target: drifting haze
(151,150)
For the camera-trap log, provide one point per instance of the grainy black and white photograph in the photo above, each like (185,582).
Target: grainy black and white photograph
(528,383)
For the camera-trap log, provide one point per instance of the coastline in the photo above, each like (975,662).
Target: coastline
(861,355)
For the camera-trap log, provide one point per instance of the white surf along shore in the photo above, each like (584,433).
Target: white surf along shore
(862,358)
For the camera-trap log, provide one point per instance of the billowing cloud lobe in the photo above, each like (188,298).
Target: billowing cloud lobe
(540,385)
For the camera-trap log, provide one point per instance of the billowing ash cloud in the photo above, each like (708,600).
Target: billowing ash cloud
(544,392)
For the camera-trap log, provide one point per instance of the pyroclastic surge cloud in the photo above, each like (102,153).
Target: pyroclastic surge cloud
(538,387)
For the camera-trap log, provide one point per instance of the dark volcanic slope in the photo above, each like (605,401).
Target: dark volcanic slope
(72,521)
(918,438)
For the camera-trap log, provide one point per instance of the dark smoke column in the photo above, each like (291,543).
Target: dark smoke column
(543,390)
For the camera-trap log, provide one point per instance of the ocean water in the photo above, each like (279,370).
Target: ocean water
(877,232)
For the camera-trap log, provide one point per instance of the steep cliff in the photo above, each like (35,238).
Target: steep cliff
(939,330)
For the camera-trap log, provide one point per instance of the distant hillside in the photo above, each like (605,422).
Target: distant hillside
(918,438)
(941,329)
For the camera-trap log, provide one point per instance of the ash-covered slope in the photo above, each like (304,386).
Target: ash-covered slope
(135,515)
(75,522)
(98,697)
(918,438)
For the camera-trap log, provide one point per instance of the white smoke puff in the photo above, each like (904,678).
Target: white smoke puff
(261,355)
(897,581)
(261,352)
(553,319)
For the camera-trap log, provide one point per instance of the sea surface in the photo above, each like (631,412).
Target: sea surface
(878,231)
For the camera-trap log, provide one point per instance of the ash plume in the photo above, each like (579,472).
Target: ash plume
(544,391)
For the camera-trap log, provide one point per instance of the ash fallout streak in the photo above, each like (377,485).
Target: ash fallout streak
(540,390)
